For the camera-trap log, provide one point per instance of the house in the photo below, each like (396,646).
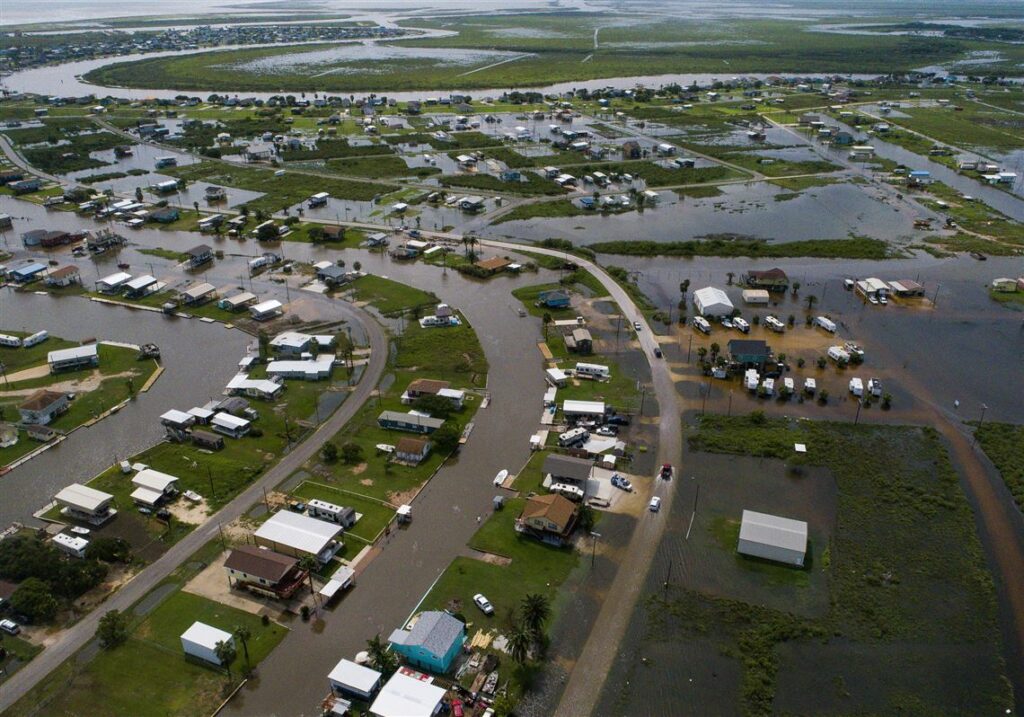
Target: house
(165,215)
(471,204)
(549,518)
(349,679)
(423,387)
(264,571)
(412,450)
(299,535)
(261,388)
(198,294)
(153,487)
(583,409)
(73,358)
(770,279)
(41,407)
(42,434)
(64,276)
(631,150)
(712,301)
(312,369)
(579,341)
(294,343)
(199,255)
(334,275)
(87,504)
(229,425)
(749,353)
(25,186)
(113,283)
(771,537)
(906,288)
(493,265)
(567,469)
(26,272)
(432,643)
(142,286)
(207,440)
(408,696)
(215,194)
(872,288)
(411,422)
(842,138)
(237,302)
(556,377)
(266,310)
(554,299)
(200,641)
(1004,285)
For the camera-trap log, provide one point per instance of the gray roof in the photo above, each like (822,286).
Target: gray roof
(434,631)
(567,467)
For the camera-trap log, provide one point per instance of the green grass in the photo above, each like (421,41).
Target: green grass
(16,359)
(852,248)
(799,184)
(534,184)
(19,652)
(975,127)
(542,210)
(1007,297)
(149,675)
(375,514)
(390,297)
(164,254)
(974,216)
(451,354)
(904,546)
(279,192)
(379,167)
(1003,443)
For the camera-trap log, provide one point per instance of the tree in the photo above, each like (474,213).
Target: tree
(357,266)
(715,350)
(351,453)
(811,301)
(519,639)
(534,611)
(381,658)
(226,653)
(729,275)
(587,518)
(796,288)
(196,205)
(110,550)
(822,363)
(446,438)
(243,634)
(684,286)
(436,406)
(112,630)
(329,452)
(310,565)
(547,319)
(702,352)
(138,194)
(315,234)
(34,599)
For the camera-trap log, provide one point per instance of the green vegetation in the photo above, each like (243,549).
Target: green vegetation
(391,297)
(73,156)
(337,148)
(852,248)
(164,254)
(1003,443)
(533,184)
(974,126)
(1005,236)
(378,167)
(375,513)
(279,191)
(904,545)
(799,184)
(541,210)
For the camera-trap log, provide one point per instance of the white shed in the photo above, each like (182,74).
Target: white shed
(772,537)
(351,679)
(755,296)
(201,640)
(712,301)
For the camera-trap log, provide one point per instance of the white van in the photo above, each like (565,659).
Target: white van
(825,323)
(701,324)
(856,387)
(838,354)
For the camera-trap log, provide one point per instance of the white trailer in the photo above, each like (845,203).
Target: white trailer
(35,339)
(751,379)
(856,387)
(825,323)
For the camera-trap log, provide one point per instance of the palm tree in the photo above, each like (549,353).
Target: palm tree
(243,634)
(547,321)
(684,286)
(534,612)
(196,205)
(519,639)
(796,287)
(702,352)
(381,658)
(811,301)
(715,350)
(730,276)
(465,244)
(226,653)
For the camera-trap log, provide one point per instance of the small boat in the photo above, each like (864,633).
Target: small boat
(501,477)
(123,266)
(385,448)
(979,256)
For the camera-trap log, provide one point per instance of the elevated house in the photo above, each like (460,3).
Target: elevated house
(264,572)
(770,279)
(199,255)
(73,359)
(153,488)
(299,535)
(749,353)
(432,643)
(80,502)
(549,518)
(64,276)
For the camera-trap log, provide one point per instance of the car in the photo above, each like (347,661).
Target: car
(607,431)
(655,505)
(10,627)
(618,420)
(621,482)
(657,352)
(666,471)
(637,326)
(484,604)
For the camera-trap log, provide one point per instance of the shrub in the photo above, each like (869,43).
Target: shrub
(34,599)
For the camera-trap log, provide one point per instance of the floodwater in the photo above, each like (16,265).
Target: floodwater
(143,157)
(351,58)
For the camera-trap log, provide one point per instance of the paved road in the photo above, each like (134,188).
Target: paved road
(18,161)
(77,636)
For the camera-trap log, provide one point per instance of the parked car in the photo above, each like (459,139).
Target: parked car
(618,420)
(657,352)
(666,471)
(10,627)
(607,431)
(637,325)
(621,482)
(655,505)
(484,604)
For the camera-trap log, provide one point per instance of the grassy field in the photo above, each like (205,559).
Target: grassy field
(279,192)
(976,217)
(1004,445)
(391,297)
(533,184)
(904,546)
(149,675)
(551,47)
(974,127)
(852,248)
(375,513)
(542,210)
(379,167)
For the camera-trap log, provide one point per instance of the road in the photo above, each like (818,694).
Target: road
(18,161)
(77,636)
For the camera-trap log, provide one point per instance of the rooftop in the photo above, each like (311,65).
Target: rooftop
(41,399)
(774,530)
(558,509)
(260,563)
(434,631)
(568,467)
(405,696)
(298,531)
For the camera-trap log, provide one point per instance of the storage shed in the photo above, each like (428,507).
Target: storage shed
(772,537)
(200,641)
(755,296)
(712,301)
(349,679)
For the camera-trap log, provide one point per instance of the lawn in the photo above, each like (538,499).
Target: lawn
(1003,443)
(390,297)
(149,675)
(542,210)
(379,167)
(19,652)
(16,359)
(375,514)
(533,183)
(855,247)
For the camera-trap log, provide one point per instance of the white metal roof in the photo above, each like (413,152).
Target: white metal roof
(154,480)
(199,290)
(226,420)
(205,635)
(140,283)
(266,306)
(82,496)
(774,530)
(712,298)
(298,531)
(116,279)
(199,412)
(147,496)
(405,696)
(594,407)
(359,678)
(238,299)
(72,353)
(176,416)
(241,382)
(290,339)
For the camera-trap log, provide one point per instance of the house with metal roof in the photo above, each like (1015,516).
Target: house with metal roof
(408,696)
(42,407)
(81,502)
(73,358)
(299,535)
(772,537)
(411,422)
(26,273)
(562,469)
(153,487)
(712,301)
(200,641)
(432,643)
(750,353)
(113,283)
(349,679)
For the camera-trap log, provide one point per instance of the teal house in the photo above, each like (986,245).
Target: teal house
(433,642)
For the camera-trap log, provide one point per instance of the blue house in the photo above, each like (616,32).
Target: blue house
(587,202)
(432,643)
(554,299)
(411,422)
(511,175)
(27,273)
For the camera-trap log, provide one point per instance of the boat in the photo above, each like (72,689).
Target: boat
(978,255)
(385,448)
(123,266)
(501,477)
(149,351)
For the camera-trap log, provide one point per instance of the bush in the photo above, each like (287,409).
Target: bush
(436,406)
(110,550)
(34,599)
(351,453)
(446,438)
(112,630)
(329,452)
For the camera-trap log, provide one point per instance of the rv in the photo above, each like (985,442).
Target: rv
(810,386)
(774,324)
(567,491)
(572,437)
(701,324)
(825,323)
(593,370)
(875,387)
(751,379)
(838,354)
(10,341)
(741,325)
(162,162)
(36,338)
(856,387)
(318,200)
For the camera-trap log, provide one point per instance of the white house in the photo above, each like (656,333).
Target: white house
(254,387)
(230,425)
(406,696)
(349,679)
(73,358)
(200,641)
(312,369)
(153,487)
(773,538)
(712,301)
(266,310)
(299,535)
(86,504)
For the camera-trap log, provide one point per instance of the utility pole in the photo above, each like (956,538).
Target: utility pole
(981,423)
(688,347)
(593,550)
(935,298)
(857,417)
(209,474)
(704,403)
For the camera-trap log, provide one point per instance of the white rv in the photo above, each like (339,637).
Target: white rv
(856,387)
(825,323)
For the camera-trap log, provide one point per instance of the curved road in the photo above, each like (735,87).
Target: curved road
(77,636)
